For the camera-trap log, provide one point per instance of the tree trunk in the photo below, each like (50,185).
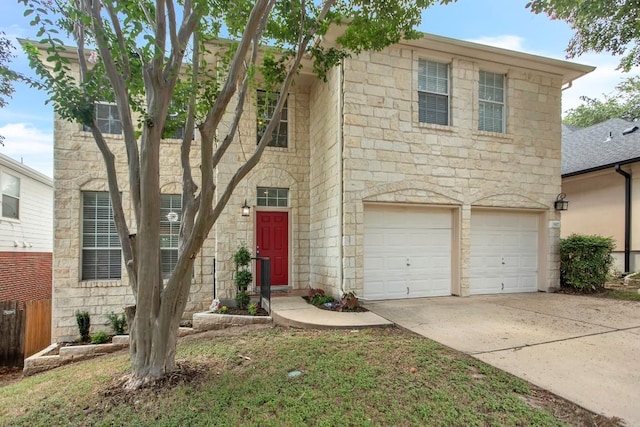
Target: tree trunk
(153,344)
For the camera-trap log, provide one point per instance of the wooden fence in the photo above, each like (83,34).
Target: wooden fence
(37,334)
(11,334)
(25,329)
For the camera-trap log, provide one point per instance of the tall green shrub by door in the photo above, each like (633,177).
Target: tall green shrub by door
(585,261)
(243,277)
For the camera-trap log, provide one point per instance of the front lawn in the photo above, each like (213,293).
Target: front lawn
(242,377)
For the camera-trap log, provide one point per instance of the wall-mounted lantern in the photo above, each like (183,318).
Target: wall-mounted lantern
(245,208)
(561,204)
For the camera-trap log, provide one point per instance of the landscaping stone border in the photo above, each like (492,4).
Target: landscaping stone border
(44,361)
(209,321)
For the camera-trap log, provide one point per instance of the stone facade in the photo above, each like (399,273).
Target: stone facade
(352,140)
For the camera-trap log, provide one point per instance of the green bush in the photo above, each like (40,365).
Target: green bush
(100,337)
(84,324)
(585,261)
(253,308)
(118,323)
(242,299)
(242,257)
(243,279)
(321,299)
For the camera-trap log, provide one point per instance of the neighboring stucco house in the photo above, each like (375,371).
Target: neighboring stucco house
(427,169)
(26,232)
(601,180)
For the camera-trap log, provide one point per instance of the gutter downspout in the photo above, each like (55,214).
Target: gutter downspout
(341,178)
(627,216)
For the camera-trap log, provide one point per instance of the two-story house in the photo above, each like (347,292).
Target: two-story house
(430,168)
(26,232)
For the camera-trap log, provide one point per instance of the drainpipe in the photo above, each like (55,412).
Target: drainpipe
(341,178)
(627,216)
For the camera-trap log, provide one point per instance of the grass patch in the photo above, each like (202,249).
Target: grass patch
(622,294)
(348,378)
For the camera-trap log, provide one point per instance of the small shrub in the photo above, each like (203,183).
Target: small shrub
(314,291)
(585,261)
(349,301)
(242,300)
(242,257)
(253,308)
(118,323)
(223,310)
(100,337)
(243,279)
(321,299)
(84,324)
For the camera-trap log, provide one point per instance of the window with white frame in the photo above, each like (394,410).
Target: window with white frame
(491,102)
(10,196)
(170,219)
(266,106)
(107,118)
(433,92)
(274,197)
(101,250)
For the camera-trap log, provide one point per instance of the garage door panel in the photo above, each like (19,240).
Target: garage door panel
(504,252)
(413,257)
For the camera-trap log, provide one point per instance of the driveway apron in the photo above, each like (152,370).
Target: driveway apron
(584,349)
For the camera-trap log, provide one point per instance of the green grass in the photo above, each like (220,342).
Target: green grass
(630,294)
(348,378)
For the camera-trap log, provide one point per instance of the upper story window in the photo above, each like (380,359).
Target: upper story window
(101,258)
(266,107)
(271,196)
(10,196)
(170,219)
(107,118)
(433,92)
(491,97)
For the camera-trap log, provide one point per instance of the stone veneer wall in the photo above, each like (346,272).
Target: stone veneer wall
(393,158)
(79,167)
(279,167)
(325,184)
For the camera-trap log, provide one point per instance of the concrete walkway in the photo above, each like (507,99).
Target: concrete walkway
(295,311)
(584,349)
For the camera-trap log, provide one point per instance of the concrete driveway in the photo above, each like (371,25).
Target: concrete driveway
(584,349)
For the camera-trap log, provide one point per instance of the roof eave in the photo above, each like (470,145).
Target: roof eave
(599,168)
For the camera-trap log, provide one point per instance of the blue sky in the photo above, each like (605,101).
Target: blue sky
(27,123)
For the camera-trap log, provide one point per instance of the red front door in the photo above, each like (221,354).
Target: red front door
(272,241)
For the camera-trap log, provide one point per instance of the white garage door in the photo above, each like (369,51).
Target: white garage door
(504,252)
(407,252)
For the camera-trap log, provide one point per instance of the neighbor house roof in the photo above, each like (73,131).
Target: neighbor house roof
(16,166)
(600,146)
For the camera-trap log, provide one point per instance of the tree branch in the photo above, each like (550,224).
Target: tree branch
(117,29)
(122,98)
(116,204)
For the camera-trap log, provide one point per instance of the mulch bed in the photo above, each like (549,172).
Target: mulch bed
(244,312)
(335,307)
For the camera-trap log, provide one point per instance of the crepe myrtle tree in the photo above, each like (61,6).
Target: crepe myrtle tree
(149,58)
(599,25)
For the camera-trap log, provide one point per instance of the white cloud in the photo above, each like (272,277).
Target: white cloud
(30,145)
(602,80)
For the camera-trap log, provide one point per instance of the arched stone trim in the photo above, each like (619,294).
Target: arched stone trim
(272,177)
(407,193)
(93,181)
(171,188)
(509,199)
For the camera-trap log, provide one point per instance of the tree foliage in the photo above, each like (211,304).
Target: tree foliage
(624,104)
(161,64)
(600,25)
